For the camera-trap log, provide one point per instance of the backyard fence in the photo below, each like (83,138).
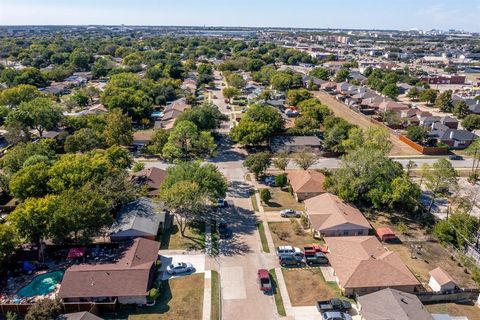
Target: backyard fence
(67,307)
(451,296)
(429,151)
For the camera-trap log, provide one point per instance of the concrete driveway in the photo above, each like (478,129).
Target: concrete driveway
(197,260)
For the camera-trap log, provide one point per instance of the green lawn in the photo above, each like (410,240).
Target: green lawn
(253,198)
(194,238)
(276,294)
(216,307)
(263,237)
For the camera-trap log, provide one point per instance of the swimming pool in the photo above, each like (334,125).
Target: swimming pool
(41,284)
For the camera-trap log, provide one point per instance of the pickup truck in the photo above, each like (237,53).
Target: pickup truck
(314,248)
(333,305)
(316,258)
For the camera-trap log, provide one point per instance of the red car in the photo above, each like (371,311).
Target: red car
(264,280)
(314,248)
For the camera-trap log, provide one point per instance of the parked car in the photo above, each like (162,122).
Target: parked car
(289,261)
(316,258)
(224,231)
(243,110)
(455,157)
(270,181)
(283,251)
(228,107)
(314,248)
(334,315)
(180,267)
(334,305)
(290,213)
(264,280)
(222,203)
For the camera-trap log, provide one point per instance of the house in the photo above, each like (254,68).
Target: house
(170,114)
(142,138)
(85,315)
(296,143)
(391,304)
(329,86)
(306,183)
(441,281)
(151,177)
(126,280)
(362,265)
(139,218)
(456,139)
(330,216)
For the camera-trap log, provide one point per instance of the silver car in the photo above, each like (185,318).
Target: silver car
(289,213)
(180,267)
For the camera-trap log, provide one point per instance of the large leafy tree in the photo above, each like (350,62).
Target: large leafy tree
(159,140)
(206,117)
(294,97)
(471,122)
(30,181)
(44,309)
(84,140)
(118,130)
(257,163)
(8,241)
(42,114)
(440,179)
(18,94)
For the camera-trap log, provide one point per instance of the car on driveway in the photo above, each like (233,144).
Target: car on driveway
(264,280)
(224,231)
(335,304)
(291,261)
(283,251)
(290,213)
(180,267)
(269,181)
(455,157)
(334,315)
(316,259)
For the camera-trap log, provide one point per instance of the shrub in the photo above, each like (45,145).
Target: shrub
(281,180)
(139,166)
(402,227)
(265,195)
(304,221)
(297,228)
(44,309)
(152,294)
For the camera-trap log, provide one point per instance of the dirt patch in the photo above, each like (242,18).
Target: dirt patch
(342,111)
(306,287)
(470,311)
(283,234)
(282,200)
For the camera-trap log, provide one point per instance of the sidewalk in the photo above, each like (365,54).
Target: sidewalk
(207,296)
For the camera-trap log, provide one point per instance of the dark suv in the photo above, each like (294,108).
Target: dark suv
(289,261)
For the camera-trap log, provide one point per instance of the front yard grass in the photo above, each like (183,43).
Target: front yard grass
(428,254)
(282,200)
(306,287)
(216,307)
(470,311)
(276,294)
(263,237)
(283,234)
(253,198)
(180,298)
(194,238)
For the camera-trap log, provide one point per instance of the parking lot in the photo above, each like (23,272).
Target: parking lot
(197,260)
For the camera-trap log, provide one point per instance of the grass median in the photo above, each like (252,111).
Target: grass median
(216,307)
(276,294)
(263,237)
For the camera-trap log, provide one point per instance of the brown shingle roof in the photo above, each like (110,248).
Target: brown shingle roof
(306,181)
(129,276)
(441,276)
(152,177)
(362,262)
(335,212)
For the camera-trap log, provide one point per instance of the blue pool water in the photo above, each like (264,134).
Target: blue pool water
(41,284)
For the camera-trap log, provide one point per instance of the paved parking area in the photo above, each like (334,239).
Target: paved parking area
(197,260)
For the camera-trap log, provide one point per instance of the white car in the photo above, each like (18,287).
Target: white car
(290,213)
(180,267)
(288,251)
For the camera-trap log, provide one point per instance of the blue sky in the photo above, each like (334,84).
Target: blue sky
(367,14)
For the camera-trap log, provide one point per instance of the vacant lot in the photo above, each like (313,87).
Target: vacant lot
(470,311)
(426,255)
(282,200)
(342,111)
(283,234)
(305,287)
(194,238)
(180,298)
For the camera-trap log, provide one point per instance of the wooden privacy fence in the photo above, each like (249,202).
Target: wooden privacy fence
(429,151)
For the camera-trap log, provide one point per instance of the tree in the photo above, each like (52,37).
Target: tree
(44,309)
(18,94)
(80,59)
(444,101)
(457,229)
(413,93)
(312,108)
(342,75)
(294,97)
(30,181)
(31,218)
(31,76)
(206,117)
(118,129)
(417,134)
(80,98)
(83,140)
(231,92)
(391,90)
(440,179)
(336,131)
(236,80)
(186,142)
(42,114)
(320,73)
(281,81)
(258,163)
(281,160)
(405,193)
(471,122)
(304,159)
(428,95)
(8,241)
(265,195)
(17,156)
(158,141)
(281,180)
(460,109)
(102,67)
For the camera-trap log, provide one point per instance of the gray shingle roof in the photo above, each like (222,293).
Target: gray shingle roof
(141,215)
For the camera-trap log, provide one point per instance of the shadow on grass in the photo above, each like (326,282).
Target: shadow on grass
(197,242)
(274,204)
